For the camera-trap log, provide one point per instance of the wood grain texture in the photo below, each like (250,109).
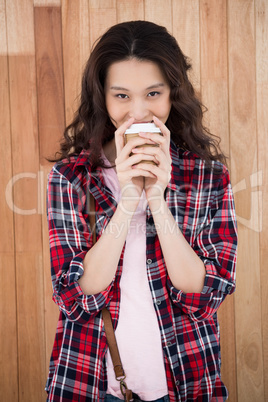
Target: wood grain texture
(76,50)
(126,11)
(159,12)
(103,4)
(6,212)
(47,3)
(214,69)
(185,22)
(8,309)
(25,149)
(49,71)
(43,48)
(242,100)
(29,270)
(102,16)
(228,347)
(261,23)
(20,34)
(214,79)
(51,123)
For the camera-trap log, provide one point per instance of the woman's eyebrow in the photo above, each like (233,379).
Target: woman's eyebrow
(116,88)
(157,85)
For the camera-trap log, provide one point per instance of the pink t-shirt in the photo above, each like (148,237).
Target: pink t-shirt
(137,333)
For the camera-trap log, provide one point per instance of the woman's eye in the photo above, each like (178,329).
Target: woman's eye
(153,93)
(122,96)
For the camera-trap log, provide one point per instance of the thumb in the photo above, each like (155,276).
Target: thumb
(119,135)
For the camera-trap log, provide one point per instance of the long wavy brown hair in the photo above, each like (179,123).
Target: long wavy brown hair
(91,127)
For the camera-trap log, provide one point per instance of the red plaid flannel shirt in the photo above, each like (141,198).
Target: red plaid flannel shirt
(201,201)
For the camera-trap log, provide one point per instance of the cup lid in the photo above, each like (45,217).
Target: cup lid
(143,127)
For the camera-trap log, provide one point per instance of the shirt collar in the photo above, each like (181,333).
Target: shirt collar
(83,158)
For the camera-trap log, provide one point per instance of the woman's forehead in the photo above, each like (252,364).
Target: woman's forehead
(145,73)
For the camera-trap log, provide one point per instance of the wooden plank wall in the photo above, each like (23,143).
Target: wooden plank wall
(43,47)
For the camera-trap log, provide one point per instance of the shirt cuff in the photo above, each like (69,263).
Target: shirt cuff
(201,306)
(76,305)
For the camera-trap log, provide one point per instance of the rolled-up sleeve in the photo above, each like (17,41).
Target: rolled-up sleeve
(69,239)
(216,245)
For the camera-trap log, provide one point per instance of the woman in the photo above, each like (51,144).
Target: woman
(166,250)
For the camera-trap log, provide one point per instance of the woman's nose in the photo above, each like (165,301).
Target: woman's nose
(138,110)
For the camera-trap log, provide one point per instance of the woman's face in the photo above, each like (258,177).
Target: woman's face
(136,89)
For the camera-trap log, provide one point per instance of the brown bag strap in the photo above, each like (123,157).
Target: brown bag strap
(107,320)
(112,344)
(109,330)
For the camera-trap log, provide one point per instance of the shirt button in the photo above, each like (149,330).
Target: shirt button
(158,302)
(177,383)
(229,288)
(169,343)
(149,261)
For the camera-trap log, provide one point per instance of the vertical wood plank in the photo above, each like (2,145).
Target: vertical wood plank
(47,3)
(214,70)
(129,10)
(214,82)
(102,4)
(159,12)
(29,272)
(228,347)
(51,121)
(102,16)
(242,101)
(201,34)
(185,20)
(49,68)
(261,15)
(8,311)
(76,49)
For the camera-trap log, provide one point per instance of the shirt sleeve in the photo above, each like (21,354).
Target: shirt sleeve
(69,239)
(216,245)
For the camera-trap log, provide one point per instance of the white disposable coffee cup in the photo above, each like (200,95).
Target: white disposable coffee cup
(136,128)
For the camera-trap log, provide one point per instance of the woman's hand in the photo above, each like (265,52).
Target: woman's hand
(160,173)
(130,179)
